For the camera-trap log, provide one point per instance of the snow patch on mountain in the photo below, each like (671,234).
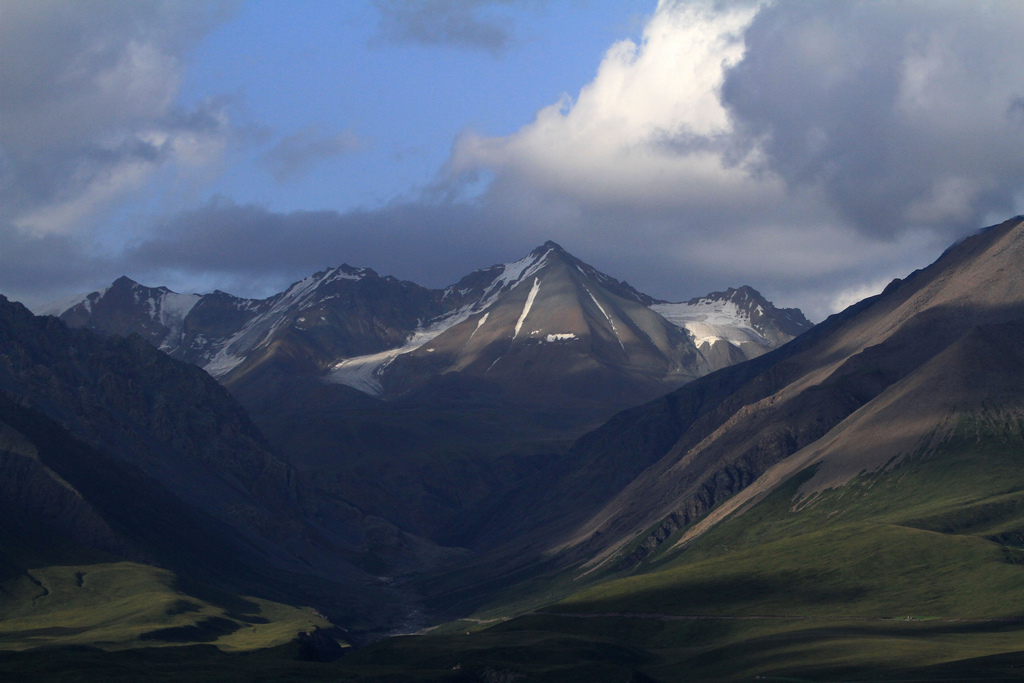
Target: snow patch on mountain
(611,322)
(171,310)
(479,324)
(363,372)
(529,304)
(710,320)
(174,307)
(223,362)
(517,272)
(56,308)
(511,275)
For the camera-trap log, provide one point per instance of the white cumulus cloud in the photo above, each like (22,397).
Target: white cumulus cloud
(649,128)
(817,149)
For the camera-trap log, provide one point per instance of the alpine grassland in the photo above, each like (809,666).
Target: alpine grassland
(125,604)
(908,572)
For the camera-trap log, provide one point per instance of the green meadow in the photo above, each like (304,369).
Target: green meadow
(124,605)
(912,573)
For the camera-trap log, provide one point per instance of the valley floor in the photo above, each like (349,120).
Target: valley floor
(913,577)
(593,650)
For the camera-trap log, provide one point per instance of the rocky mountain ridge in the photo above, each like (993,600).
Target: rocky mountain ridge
(867,387)
(430,408)
(110,445)
(356,328)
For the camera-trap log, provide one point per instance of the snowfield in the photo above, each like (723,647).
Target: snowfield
(711,321)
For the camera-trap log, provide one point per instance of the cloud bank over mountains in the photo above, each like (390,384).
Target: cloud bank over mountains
(813,150)
(826,137)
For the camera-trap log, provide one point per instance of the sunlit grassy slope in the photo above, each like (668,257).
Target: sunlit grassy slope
(935,536)
(907,573)
(124,604)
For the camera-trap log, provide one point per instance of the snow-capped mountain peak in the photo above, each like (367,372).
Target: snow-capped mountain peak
(156,313)
(545,320)
(710,320)
(514,320)
(737,315)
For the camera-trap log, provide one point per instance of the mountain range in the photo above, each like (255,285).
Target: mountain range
(548,319)
(884,380)
(844,506)
(433,409)
(113,450)
(868,470)
(110,449)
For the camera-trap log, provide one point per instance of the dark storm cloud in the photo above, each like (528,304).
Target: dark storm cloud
(463,23)
(898,111)
(250,251)
(258,250)
(36,270)
(299,152)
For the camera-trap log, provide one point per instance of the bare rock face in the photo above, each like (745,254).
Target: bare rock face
(120,395)
(33,498)
(335,313)
(870,385)
(551,328)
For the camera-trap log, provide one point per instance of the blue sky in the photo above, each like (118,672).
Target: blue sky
(811,150)
(318,70)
